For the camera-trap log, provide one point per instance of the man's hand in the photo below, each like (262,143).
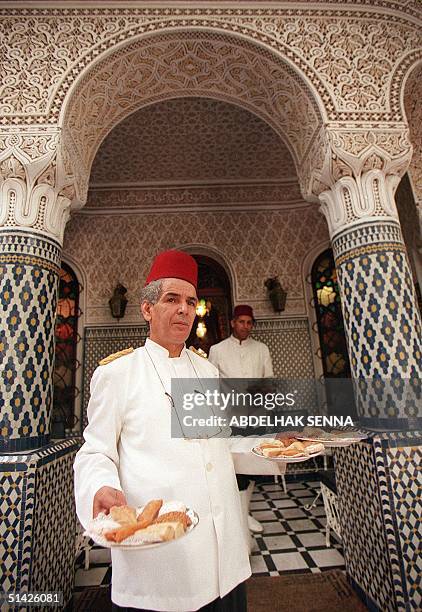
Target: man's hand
(105,498)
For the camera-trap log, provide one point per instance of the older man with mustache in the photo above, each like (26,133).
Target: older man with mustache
(129,456)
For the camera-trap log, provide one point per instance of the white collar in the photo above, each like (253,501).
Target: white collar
(159,351)
(238,343)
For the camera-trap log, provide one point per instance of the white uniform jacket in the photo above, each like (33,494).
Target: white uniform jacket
(128,446)
(247,359)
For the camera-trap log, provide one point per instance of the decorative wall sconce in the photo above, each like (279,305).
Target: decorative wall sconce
(118,302)
(201,311)
(201,308)
(201,330)
(276,294)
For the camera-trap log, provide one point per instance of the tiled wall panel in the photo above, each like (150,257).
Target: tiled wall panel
(37,527)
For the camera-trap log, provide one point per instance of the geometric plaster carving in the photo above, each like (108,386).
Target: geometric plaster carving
(188,140)
(349,54)
(295,66)
(189,64)
(111,243)
(351,152)
(351,201)
(35,191)
(413,108)
(356,64)
(183,198)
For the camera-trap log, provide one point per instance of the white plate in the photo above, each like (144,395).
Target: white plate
(132,542)
(257,453)
(338,440)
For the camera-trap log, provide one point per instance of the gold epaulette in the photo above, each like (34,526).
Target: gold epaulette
(199,352)
(114,356)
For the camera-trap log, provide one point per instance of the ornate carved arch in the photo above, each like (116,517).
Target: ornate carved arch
(412,87)
(188,63)
(347,55)
(411,96)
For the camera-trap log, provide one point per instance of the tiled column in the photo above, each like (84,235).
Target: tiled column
(378,479)
(29,266)
(37,511)
(382,320)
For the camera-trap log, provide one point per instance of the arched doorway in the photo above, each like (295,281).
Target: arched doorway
(333,346)
(212,323)
(66,335)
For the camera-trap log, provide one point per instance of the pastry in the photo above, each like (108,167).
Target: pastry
(271,444)
(287,441)
(170,517)
(272,452)
(177,527)
(124,515)
(156,533)
(148,514)
(291,452)
(297,445)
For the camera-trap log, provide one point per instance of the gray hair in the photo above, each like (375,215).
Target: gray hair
(152,292)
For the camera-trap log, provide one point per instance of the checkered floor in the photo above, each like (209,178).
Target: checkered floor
(293,540)
(294,537)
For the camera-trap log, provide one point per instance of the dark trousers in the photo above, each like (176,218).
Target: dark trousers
(235,601)
(243,481)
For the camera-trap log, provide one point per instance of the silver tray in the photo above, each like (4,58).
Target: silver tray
(299,459)
(132,542)
(339,440)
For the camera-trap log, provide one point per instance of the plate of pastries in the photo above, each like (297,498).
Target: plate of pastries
(333,438)
(152,525)
(288,450)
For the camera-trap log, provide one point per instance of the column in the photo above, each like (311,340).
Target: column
(382,320)
(37,530)
(377,480)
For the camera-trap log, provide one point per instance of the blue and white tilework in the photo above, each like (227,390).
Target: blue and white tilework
(382,321)
(29,266)
(379,490)
(361,522)
(400,476)
(37,527)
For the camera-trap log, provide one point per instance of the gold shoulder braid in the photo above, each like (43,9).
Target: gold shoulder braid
(114,356)
(199,352)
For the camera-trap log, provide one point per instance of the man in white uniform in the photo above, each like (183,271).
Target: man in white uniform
(240,356)
(130,457)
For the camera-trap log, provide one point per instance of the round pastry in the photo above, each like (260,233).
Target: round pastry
(314,447)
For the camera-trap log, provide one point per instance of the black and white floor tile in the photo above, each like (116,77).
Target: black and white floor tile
(294,537)
(293,540)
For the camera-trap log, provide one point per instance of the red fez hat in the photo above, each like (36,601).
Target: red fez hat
(243,310)
(174,264)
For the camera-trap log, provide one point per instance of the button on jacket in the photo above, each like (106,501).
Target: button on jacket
(128,446)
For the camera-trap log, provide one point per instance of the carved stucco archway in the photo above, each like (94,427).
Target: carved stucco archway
(185,64)
(356,63)
(411,96)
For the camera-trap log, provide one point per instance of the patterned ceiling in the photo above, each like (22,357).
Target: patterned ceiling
(190,140)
